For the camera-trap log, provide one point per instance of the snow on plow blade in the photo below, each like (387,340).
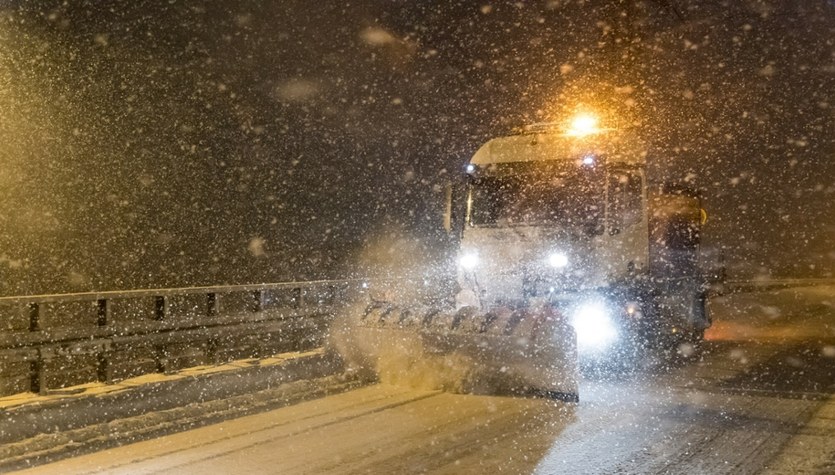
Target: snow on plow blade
(518,352)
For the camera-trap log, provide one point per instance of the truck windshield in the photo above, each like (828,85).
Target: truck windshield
(536,194)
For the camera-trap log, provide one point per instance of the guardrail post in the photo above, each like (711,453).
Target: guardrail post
(34,317)
(331,295)
(258,298)
(104,312)
(212,346)
(104,370)
(212,304)
(35,370)
(297,298)
(37,375)
(160,307)
(161,358)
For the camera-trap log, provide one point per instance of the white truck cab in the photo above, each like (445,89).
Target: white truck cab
(566,218)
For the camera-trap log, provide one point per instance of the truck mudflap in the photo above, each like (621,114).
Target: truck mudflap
(523,352)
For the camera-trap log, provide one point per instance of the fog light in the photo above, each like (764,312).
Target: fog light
(558,260)
(594,327)
(469,260)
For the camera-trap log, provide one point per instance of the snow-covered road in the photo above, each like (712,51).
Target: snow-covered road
(762,400)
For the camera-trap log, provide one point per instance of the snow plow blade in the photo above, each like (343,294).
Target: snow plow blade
(530,352)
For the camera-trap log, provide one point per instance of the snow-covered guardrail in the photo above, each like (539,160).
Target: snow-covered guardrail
(55,341)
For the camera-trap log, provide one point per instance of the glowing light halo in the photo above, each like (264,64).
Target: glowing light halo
(469,260)
(558,260)
(583,124)
(594,327)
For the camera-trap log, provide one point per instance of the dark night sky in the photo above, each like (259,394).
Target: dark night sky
(149,144)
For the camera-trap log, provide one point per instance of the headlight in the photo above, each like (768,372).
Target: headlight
(469,260)
(593,324)
(558,260)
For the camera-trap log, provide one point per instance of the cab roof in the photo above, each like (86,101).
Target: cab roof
(545,145)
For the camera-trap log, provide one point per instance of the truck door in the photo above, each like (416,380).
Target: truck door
(625,200)
(625,235)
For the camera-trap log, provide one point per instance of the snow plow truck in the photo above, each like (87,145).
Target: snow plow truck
(564,254)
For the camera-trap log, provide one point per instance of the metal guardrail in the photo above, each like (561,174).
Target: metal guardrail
(753,285)
(54,341)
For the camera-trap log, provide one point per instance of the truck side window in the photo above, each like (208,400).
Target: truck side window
(624,200)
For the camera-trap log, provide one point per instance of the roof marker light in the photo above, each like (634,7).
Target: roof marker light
(582,125)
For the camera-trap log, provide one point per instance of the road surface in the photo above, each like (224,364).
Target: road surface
(760,400)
